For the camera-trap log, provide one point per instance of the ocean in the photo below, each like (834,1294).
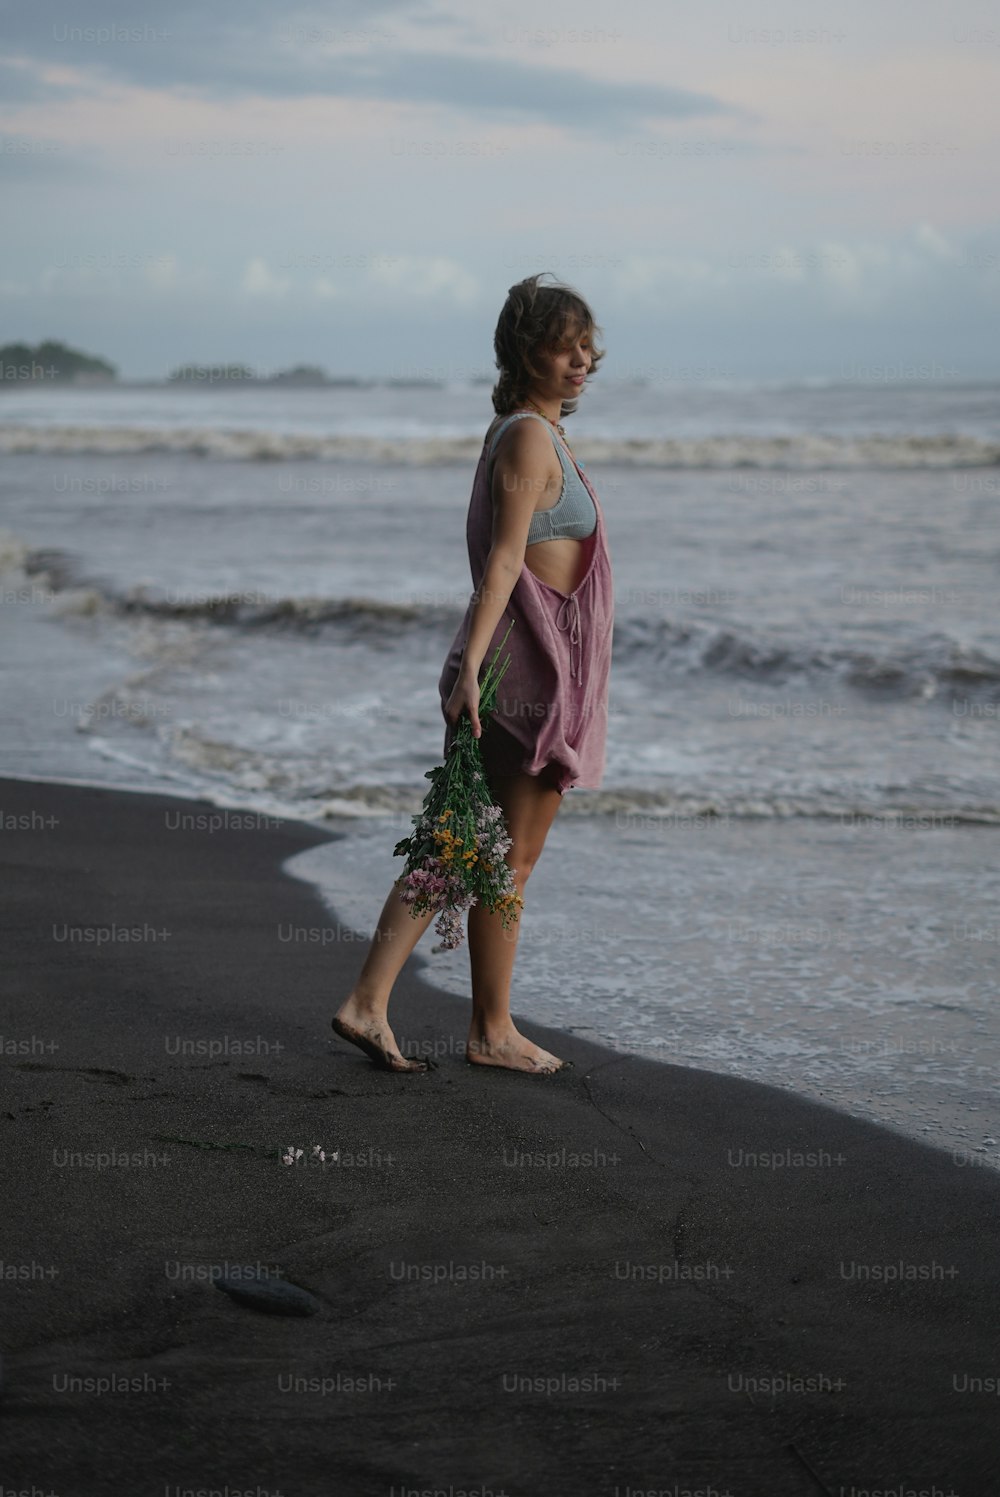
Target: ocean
(790,874)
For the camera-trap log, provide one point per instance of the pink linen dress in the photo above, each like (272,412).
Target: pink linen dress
(553,699)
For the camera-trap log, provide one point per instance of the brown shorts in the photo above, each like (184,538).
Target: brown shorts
(504,756)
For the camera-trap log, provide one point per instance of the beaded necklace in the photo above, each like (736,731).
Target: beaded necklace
(559,428)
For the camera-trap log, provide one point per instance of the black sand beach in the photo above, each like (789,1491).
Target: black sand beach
(628,1278)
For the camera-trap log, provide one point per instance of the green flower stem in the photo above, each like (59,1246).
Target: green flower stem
(459,787)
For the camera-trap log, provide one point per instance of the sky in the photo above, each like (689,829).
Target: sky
(738,189)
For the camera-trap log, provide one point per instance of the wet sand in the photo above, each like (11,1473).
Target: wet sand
(630,1277)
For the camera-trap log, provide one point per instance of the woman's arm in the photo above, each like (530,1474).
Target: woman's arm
(526,465)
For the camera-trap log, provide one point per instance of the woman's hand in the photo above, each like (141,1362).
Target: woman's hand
(465,698)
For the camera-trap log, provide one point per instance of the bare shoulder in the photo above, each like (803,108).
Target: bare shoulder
(525,444)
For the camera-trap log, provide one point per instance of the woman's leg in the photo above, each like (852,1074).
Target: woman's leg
(530,804)
(362,1018)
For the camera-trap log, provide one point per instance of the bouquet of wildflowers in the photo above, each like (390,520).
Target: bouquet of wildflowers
(455,857)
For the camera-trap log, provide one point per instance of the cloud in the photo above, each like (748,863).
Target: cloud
(510,90)
(667,280)
(864,275)
(33,158)
(426,277)
(940,248)
(258,280)
(226,51)
(21,82)
(162,272)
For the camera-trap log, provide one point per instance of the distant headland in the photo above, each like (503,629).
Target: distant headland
(51,362)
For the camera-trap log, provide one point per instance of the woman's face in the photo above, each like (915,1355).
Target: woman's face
(564,366)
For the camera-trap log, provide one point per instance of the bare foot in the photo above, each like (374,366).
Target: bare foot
(374,1037)
(514,1052)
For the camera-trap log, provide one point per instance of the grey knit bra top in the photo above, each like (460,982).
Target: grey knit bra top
(573,516)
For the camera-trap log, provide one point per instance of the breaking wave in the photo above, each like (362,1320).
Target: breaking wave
(652,647)
(802,452)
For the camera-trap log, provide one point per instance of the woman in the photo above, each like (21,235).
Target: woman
(538,554)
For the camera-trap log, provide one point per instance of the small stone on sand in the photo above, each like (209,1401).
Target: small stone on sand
(272,1295)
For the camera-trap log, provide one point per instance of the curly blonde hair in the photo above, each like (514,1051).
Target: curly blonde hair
(536,318)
